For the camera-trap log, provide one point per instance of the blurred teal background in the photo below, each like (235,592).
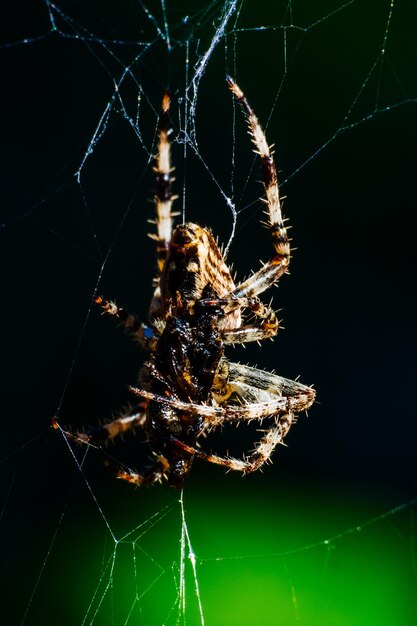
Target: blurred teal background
(348,310)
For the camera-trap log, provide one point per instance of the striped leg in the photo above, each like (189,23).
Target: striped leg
(259,402)
(273,269)
(102,434)
(163,200)
(216,415)
(96,437)
(267,320)
(262,453)
(154,474)
(136,329)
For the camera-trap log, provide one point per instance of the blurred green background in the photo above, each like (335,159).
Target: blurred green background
(348,310)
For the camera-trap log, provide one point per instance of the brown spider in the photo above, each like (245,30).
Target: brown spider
(187,385)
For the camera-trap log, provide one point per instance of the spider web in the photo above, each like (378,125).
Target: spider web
(326,535)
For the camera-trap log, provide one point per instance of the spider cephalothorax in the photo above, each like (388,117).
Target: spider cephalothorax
(187,386)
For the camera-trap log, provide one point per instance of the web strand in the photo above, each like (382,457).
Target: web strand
(139,565)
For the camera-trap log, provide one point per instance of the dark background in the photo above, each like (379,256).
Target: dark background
(348,306)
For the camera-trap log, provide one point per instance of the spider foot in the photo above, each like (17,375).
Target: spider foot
(156,473)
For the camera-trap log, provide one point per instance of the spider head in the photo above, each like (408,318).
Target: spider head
(185,238)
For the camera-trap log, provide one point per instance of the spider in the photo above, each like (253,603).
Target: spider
(187,386)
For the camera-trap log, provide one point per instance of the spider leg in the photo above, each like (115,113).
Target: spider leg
(269,273)
(164,220)
(98,436)
(163,199)
(268,328)
(142,334)
(153,474)
(262,453)
(216,415)
(265,326)
(102,434)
